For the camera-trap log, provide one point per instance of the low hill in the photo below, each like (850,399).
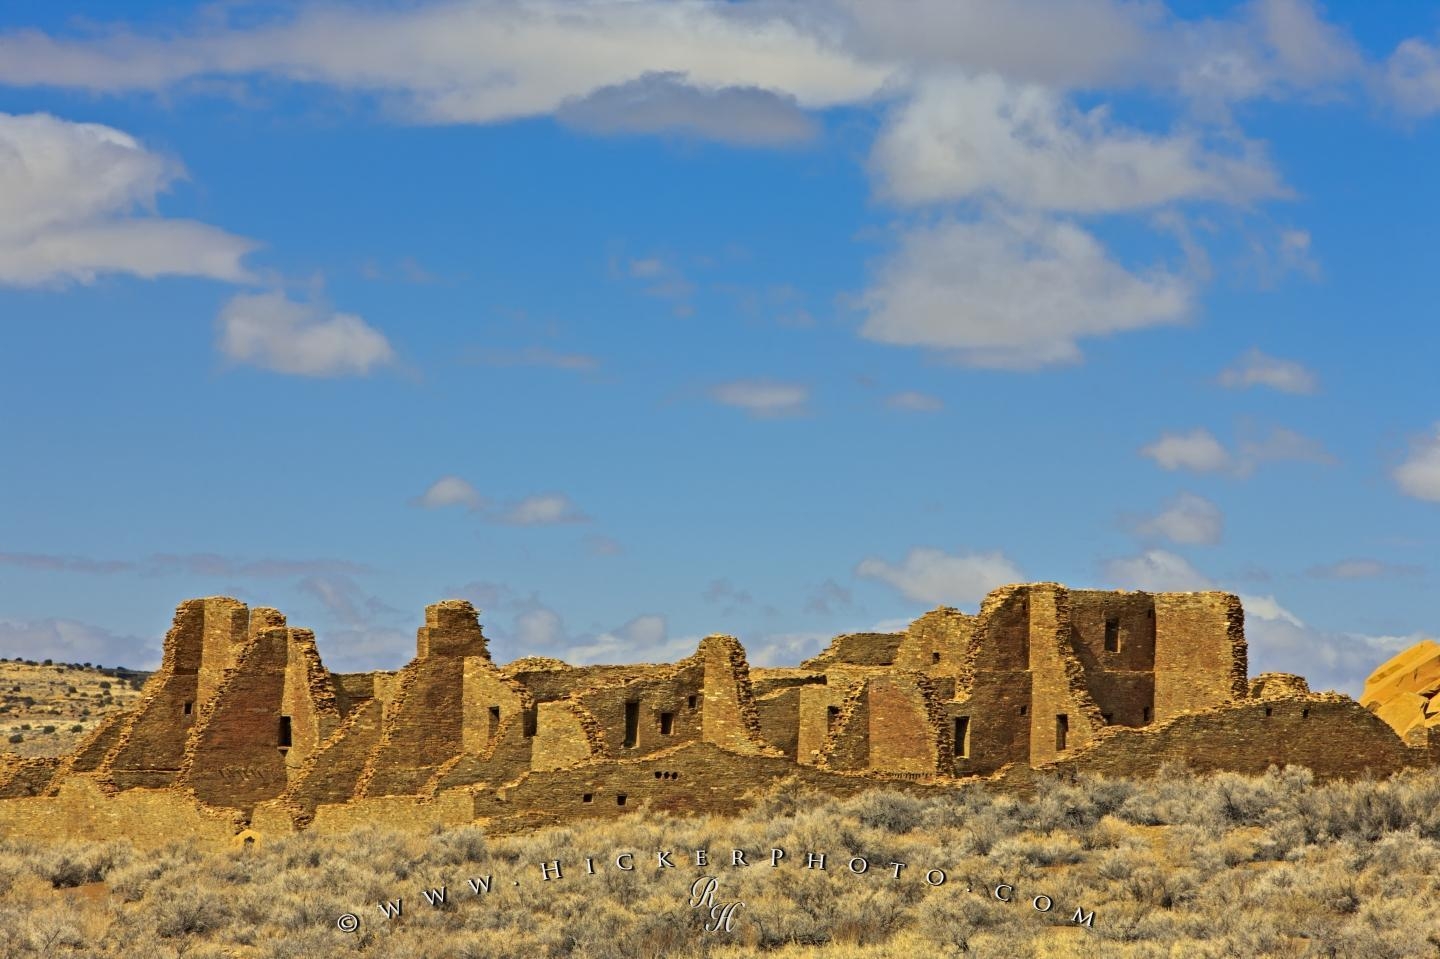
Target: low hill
(47,707)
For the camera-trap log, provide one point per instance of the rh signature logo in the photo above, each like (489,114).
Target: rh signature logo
(702,896)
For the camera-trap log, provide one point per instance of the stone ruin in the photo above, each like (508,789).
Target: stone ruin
(244,728)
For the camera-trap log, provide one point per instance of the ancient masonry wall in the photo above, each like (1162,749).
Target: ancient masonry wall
(779,713)
(200,646)
(423,727)
(939,643)
(1332,735)
(243,714)
(992,712)
(1200,655)
(729,718)
(235,754)
(1063,717)
(820,709)
(1113,635)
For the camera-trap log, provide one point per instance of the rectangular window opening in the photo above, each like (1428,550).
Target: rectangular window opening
(1024,710)
(667,723)
(1112,635)
(1147,715)
(284,732)
(832,716)
(189,707)
(1062,730)
(693,701)
(527,720)
(620,799)
(632,723)
(935,656)
(588,797)
(962,737)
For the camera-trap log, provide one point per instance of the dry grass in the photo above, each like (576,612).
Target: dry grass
(46,708)
(1176,866)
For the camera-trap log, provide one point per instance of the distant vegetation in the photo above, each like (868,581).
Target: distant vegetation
(46,707)
(1177,866)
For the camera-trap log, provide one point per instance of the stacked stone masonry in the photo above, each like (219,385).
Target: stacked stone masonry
(244,727)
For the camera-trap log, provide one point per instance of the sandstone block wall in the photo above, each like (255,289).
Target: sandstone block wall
(1200,655)
(244,716)
(1332,735)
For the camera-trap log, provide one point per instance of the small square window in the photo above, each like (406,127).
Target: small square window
(935,656)
(693,701)
(588,797)
(620,799)
(667,724)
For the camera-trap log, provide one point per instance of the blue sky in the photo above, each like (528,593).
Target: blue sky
(636,321)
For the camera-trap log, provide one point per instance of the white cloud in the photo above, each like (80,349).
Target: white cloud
(69,193)
(644,639)
(914,402)
(1197,450)
(1156,571)
(1268,608)
(1419,475)
(932,576)
(1271,48)
(545,509)
(962,138)
(1412,77)
(1279,641)
(763,398)
(468,61)
(1012,293)
(71,641)
(450,491)
(1255,368)
(666,103)
(538,631)
(271,331)
(1056,42)
(1187,519)
(785,649)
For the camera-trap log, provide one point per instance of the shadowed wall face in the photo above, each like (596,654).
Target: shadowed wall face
(200,645)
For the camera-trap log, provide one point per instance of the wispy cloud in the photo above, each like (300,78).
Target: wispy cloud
(545,509)
(1188,518)
(763,399)
(1363,569)
(273,332)
(1255,368)
(1198,451)
(930,575)
(912,401)
(1419,474)
(450,491)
